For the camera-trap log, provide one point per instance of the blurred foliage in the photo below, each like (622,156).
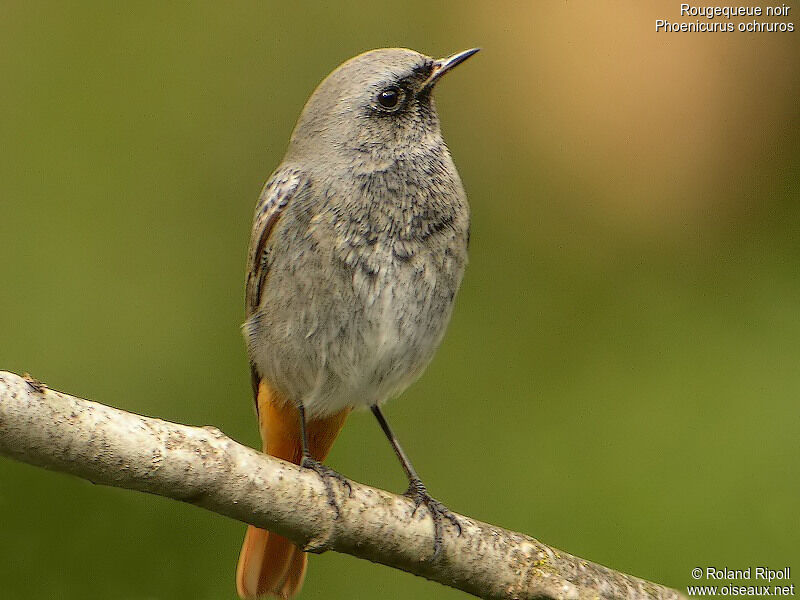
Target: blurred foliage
(620,378)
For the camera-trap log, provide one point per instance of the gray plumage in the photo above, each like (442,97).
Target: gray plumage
(359,240)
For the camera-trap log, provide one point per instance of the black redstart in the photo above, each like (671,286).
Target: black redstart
(358,248)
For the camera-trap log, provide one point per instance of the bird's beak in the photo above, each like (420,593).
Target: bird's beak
(443,65)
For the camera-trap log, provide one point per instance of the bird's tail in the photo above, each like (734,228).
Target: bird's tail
(269,564)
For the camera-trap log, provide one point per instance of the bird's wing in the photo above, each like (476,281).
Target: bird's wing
(278,192)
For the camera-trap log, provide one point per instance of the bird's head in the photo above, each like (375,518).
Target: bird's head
(377,103)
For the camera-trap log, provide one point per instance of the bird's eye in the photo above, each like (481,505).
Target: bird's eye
(389,99)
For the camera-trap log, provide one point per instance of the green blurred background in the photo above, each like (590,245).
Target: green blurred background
(620,378)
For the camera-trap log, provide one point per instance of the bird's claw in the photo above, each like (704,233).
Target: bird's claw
(419,494)
(326,474)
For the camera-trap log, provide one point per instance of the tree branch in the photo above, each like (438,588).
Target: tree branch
(201,466)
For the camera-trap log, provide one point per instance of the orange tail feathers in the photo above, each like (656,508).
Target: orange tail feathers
(269,564)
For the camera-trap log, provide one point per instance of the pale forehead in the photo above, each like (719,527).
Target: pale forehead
(384,62)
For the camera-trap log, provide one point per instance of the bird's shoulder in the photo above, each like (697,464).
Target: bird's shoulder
(285,186)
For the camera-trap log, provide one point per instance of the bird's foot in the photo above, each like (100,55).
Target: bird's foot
(439,512)
(326,474)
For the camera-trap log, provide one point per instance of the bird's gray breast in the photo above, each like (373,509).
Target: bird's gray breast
(362,286)
(400,248)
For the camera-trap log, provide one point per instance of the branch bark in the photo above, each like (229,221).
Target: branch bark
(201,466)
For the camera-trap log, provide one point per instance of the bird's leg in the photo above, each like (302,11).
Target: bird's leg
(324,471)
(417,490)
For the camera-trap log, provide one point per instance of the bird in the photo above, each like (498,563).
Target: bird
(358,248)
